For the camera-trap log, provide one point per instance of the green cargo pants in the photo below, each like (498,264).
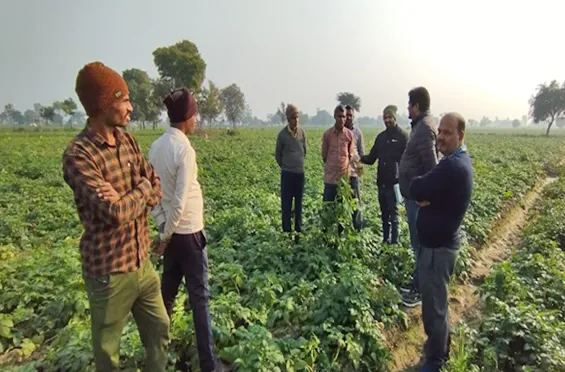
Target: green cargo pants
(112,297)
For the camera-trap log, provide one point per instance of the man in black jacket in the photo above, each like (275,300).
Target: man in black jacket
(388,148)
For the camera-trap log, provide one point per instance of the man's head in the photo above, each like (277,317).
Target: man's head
(339,116)
(292,116)
(451,133)
(389,116)
(104,95)
(418,102)
(182,109)
(349,116)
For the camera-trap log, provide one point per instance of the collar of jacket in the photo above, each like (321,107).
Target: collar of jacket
(419,118)
(459,150)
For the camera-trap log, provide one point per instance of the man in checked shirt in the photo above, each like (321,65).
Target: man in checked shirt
(338,151)
(114,189)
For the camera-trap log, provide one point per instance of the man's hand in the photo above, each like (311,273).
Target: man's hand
(106,192)
(159,246)
(423,203)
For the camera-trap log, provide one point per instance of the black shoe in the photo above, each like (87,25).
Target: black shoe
(296,238)
(411,299)
(406,288)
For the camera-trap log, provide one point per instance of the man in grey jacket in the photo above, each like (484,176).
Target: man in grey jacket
(290,153)
(419,157)
(353,176)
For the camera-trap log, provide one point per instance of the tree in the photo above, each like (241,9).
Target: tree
(11,115)
(210,104)
(78,117)
(346,98)
(516,123)
(48,113)
(281,113)
(161,87)
(140,95)
(68,107)
(182,64)
(234,103)
(548,103)
(303,118)
(322,117)
(31,117)
(6,115)
(485,121)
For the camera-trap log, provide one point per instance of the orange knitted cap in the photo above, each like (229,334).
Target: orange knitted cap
(98,87)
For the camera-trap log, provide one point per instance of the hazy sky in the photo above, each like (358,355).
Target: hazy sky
(479,57)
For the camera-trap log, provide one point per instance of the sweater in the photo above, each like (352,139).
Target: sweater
(290,151)
(448,187)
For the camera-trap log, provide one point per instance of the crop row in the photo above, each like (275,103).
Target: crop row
(523,324)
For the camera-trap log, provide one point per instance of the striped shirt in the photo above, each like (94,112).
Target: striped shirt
(116,234)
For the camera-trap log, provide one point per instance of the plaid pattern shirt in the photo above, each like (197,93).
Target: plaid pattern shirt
(116,234)
(338,147)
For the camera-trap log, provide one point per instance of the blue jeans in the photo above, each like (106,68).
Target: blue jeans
(292,188)
(186,257)
(412,213)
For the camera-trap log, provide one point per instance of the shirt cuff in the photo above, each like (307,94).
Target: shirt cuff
(145,188)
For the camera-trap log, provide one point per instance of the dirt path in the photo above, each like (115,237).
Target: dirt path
(464,304)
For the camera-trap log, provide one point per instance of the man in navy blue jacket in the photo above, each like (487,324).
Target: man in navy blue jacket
(443,194)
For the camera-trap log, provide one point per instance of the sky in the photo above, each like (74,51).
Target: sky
(477,58)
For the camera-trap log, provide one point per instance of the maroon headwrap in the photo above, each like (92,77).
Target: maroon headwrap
(181,105)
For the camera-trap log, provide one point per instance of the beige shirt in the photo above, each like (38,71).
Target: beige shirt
(182,205)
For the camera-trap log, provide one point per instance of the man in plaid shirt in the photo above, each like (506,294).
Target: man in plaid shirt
(114,189)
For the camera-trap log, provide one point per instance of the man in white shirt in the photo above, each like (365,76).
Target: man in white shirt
(180,215)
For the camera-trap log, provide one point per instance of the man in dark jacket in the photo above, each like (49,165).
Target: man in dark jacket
(290,153)
(388,148)
(419,157)
(444,195)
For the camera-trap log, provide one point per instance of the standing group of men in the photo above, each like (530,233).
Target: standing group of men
(436,195)
(115,189)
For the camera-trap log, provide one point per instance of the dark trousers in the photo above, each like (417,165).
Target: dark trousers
(412,214)
(389,213)
(292,188)
(435,267)
(186,257)
(330,193)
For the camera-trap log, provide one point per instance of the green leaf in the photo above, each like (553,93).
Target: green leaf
(6,325)
(28,347)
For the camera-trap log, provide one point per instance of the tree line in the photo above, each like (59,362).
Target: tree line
(181,65)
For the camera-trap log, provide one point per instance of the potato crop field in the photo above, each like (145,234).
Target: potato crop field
(329,303)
